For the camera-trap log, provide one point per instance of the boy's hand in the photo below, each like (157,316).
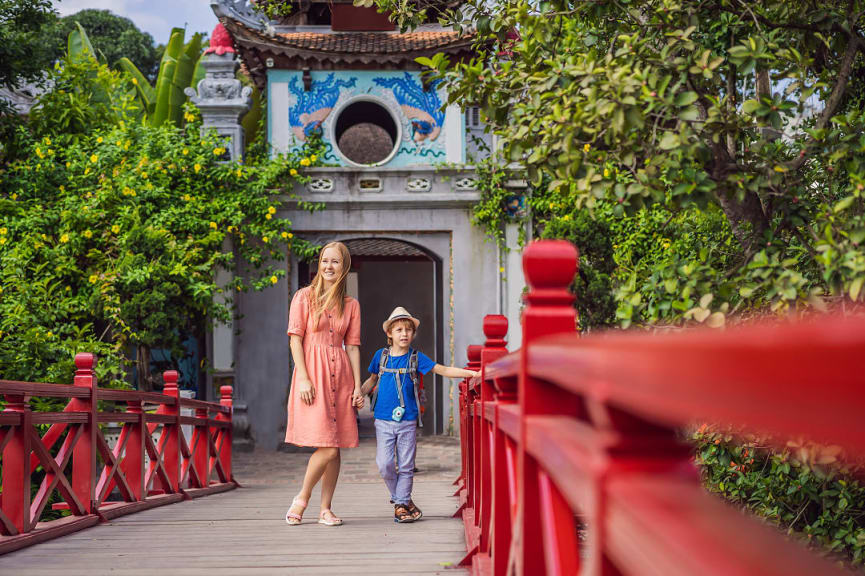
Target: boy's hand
(474,373)
(357,399)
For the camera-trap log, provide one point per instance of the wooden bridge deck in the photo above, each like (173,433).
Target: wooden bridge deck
(243,531)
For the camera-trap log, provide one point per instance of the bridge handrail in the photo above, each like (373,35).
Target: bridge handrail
(152,463)
(576,435)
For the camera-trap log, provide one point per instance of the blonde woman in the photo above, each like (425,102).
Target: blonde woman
(325,387)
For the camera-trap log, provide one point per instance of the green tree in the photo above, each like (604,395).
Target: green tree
(112,233)
(24,54)
(678,104)
(112,36)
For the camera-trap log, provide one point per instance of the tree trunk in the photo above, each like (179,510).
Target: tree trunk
(142,364)
(747,219)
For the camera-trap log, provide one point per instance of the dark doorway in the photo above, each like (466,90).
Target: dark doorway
(389,273)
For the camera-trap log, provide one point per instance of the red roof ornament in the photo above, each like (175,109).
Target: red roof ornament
(220,41)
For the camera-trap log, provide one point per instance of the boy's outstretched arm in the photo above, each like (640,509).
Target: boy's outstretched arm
(369,384)
(453,372)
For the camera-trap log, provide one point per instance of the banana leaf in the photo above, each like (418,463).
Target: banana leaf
(145,91)
(183,74)
(78,44)
(165,79)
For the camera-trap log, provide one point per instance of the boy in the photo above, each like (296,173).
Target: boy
(396,407)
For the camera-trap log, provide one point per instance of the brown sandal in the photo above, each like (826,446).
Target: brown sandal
(415,512)
(401,514)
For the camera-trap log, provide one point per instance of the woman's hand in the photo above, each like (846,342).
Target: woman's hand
(305,389)
(357,398)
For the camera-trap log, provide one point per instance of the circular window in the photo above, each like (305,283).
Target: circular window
(366,133)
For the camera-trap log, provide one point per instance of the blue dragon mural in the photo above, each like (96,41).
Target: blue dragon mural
(423,109)
(313,107)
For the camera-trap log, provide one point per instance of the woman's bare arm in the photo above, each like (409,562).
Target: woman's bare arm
(354,359)
(295,343)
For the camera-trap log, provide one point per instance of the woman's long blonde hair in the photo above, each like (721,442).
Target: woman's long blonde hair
(321,299)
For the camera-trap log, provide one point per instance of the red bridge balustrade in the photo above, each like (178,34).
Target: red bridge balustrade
(571,458)
(145,472)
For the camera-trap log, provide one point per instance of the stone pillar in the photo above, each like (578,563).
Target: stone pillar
(221,97)
(222,100)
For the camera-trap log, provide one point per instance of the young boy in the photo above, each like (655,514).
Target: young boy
(395,406)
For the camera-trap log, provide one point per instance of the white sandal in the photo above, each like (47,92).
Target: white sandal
(334,520)
(291,518)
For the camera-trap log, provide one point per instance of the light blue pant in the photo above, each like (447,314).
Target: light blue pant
(396,439)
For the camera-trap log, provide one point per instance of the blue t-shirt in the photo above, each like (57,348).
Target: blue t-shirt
(388,399)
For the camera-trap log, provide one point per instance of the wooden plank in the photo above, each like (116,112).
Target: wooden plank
(109,511)
(47,531)
(214,489)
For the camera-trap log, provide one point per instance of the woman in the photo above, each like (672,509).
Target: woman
(325,386)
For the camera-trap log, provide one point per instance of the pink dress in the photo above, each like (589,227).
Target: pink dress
(331,419)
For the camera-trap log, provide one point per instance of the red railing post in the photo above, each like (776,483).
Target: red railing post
(549,268)
(473,352)
(132,464)
(224,437)
(169,441)
(201,446)
(15,497)
(495,330)
(84,475)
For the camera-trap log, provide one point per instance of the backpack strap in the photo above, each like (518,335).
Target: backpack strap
(382,368)
(413,374)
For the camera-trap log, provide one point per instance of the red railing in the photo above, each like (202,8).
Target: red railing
(145,472)
(572,461)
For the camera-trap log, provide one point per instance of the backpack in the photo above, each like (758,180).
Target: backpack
(416,378)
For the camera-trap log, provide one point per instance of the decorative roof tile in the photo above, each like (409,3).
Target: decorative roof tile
(373,42)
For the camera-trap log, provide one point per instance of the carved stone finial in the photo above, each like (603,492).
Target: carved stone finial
(220,41)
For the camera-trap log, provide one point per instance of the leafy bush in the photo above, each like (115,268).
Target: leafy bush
(804,489)
(113,231)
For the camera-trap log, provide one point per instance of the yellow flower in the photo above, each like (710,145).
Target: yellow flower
(39,152)
(213,225)
(135,81)
(218,151)
(44,237)
(144,175)
(185,151)
(68,164)
(115,229)
(64,238)
(268,216)
(14,196)
(93,278)
(284,235)
(197,168)
(606,173)
(265,239)
(231,228)
(293,172)
(88,234)
(502,269)
(69,288)
(305,162)
(99,140)
(290,235)
(2,241)
(566,217)
(313,158)
(189,117)
(3,231)
(271,210)
(94,158)
(239,172)
(587,147)
(50,334)
(47,141)
(187,197)
(274,279)
(126,144)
